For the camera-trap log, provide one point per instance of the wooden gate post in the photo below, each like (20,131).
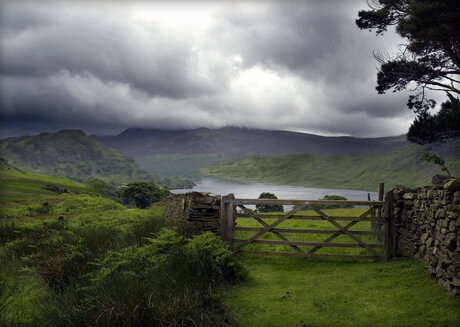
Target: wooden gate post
(381,192)
(389,248)
(227,220)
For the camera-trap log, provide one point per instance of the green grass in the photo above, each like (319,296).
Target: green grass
(289,291)
(71,154)
(104,258)
(365,172)
(22,195)
(80,259)
(313,292)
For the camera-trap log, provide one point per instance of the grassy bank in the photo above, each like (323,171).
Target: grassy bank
(72,258)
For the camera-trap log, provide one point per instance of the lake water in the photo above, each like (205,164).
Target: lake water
(252,190)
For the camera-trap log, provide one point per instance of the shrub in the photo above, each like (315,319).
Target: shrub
(171,281)
(269,208)
(104,188)
(143,194)
(334,198)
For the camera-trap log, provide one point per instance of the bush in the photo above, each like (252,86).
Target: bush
(269,208)
(143,194)
(170,281)
(334,198)
(104,188)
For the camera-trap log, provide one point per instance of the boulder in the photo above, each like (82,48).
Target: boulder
(439,179)
(452,185)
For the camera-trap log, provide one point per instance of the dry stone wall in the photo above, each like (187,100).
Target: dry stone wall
(428,227)
(193,213)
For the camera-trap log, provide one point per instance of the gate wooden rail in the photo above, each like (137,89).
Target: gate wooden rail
(372,214)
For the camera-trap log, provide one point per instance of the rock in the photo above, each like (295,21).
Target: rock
(408,203)
(429,242)
(424,237)
(432,271)
(409,196)
(54,188)
(439,179)
(457,196)
(452,185)
(455,291)
(451,241)
(452,226)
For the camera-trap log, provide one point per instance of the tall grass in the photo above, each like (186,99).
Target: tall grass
(78,259)
(168,282)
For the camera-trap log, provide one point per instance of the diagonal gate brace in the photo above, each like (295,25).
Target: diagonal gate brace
(263,223)
(268,228)
(344,230)
(338,233)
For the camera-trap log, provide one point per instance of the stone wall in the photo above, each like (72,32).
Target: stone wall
(193,213)
(428,228)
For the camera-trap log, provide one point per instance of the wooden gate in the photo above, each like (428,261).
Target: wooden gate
(269,223)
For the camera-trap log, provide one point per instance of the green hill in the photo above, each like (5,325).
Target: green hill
(184,152)
(398,166)
(71,154)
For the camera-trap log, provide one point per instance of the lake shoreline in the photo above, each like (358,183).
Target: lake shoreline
(250,189)
(255,180)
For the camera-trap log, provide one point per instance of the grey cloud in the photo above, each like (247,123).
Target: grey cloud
(312,38)
(93,67)
(20,16)
(115,50)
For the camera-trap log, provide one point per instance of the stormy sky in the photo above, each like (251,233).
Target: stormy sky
(105,66)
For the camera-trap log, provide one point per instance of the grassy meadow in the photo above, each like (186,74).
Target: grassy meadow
(75,258)
(283,291)
(290,291)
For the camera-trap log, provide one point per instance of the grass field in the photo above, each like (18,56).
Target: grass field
(103,264)
(312,292)
(290,291)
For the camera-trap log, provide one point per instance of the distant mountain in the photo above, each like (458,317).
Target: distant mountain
(185,152)
(236,142)
(72,154)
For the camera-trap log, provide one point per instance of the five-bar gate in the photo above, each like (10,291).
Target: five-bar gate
(379,212)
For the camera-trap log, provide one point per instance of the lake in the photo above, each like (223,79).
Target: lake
(252,190)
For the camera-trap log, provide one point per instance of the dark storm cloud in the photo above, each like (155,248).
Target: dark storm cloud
(103,66)
(82,40)
(22,17)
(317,40)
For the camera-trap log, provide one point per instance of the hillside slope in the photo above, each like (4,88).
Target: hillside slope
(398,166)
(71,154)
(237,142)
(185,152)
